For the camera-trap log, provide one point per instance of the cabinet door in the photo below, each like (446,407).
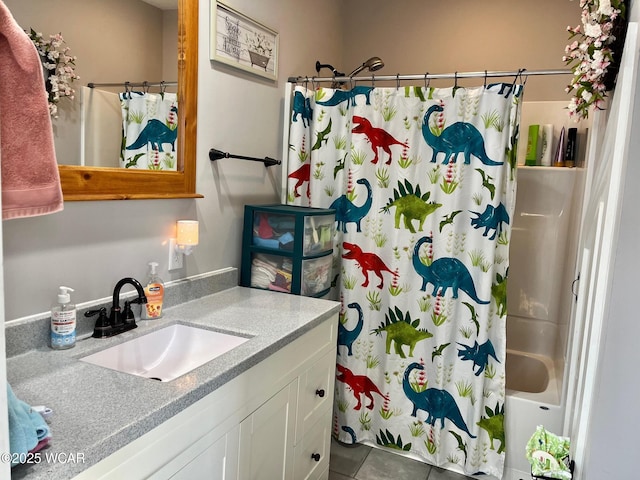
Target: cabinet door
(315,393)
(312,452)
(218,461)
(266,438)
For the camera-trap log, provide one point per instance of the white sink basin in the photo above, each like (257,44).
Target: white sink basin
(166,353)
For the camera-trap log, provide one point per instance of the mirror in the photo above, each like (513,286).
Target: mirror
(112,183)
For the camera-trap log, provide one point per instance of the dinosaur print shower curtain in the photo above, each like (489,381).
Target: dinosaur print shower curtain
(149,130)
(423,183)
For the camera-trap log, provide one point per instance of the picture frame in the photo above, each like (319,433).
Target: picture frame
(242,42)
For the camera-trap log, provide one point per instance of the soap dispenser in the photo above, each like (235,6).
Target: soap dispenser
(154,290)
(63,321)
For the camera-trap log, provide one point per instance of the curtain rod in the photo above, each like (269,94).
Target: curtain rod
(430,76)
(132,84)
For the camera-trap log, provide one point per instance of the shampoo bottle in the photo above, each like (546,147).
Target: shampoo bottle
(531,157)
(63,321)
(154,290)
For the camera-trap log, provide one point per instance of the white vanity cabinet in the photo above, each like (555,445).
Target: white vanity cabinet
(271,422)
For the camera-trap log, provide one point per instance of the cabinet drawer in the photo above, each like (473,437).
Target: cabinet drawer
(315,393)
(311,455)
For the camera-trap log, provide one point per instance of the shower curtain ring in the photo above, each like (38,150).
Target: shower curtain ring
(145,86)
(426,85)
(520,72)
(455,80)
(373,79)
(485,79)
(518,75)
(163,87)
(397,81)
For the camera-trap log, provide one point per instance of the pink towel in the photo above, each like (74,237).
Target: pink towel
(30,178)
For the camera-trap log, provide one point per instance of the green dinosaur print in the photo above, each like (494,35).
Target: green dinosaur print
(499,293)
(401,330)
(323,136)
(494,425)
(411,204)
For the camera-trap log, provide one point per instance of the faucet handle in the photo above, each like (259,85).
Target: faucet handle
(128,318)
(102,323)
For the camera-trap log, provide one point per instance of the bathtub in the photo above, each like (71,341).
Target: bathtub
(533,398)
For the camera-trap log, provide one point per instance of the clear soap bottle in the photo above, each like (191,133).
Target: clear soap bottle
(154,291)
(63,321)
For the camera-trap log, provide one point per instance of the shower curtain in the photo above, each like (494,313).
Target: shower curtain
(423,182)
(149,130)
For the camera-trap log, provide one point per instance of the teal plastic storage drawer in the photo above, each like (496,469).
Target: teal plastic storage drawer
(287,248)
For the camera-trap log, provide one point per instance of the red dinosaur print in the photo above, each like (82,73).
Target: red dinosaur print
(368,262)
(359,384)
(303,174)
(378,137)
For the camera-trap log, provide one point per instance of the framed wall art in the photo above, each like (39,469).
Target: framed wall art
(242,42)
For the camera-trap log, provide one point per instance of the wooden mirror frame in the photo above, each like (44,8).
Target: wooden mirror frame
(102,183)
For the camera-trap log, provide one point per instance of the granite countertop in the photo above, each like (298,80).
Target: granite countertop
(97,411)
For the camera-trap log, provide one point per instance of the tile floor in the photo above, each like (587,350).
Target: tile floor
(362,462)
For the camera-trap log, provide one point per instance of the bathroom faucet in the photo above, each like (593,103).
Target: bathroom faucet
(119,320)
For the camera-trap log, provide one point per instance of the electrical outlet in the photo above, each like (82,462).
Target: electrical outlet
(176,258)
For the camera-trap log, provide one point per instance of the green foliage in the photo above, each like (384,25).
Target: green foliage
(490,371)
(135,117)
(417,429)
(348,281)
(493,120)
(382,174)
(340,142)
(365,421)
(434,174)
(386,439)
(373,297)
(317,171)
(424,303)
(358,156)
(372,361)
(388,112)
(477,257)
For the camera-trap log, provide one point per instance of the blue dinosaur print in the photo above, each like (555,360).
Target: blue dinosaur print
(478,354)
(506,89)
(491,219)
(460,137)
(302,107)
(340,96)
(351,433)
(347,337)
(347,212)
(438,404)
(444,273)
(156,133)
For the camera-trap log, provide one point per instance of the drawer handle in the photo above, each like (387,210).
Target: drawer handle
(315,456)
(320,392)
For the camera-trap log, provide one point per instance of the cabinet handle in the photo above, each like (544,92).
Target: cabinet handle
(315,456)
(320,392)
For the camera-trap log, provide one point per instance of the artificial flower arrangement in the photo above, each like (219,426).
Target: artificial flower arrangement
(591,55)
(59,68)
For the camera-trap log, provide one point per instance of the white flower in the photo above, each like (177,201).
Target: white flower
(59,66)
(591,56)
(605,8)
(592,30)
